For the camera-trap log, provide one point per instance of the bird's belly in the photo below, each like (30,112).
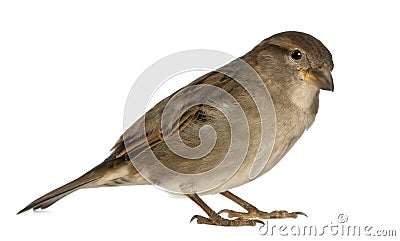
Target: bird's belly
(282,145)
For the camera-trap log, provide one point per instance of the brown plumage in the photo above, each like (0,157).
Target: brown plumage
(294,66)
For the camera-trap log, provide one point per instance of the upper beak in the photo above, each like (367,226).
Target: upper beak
(320,77)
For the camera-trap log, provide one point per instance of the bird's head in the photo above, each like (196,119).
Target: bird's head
(295,60)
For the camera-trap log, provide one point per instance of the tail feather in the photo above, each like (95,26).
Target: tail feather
(111,172)
(50,198)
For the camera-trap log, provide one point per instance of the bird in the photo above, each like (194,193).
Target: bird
(293,66)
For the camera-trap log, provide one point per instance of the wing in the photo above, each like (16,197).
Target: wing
(135,139)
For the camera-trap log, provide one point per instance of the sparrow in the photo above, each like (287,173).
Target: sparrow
(293,66)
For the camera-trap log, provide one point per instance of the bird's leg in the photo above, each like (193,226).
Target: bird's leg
(215,219)
(253,212)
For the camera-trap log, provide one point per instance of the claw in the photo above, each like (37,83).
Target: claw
(202,220)
(193,218)
(224,211)
(301,213)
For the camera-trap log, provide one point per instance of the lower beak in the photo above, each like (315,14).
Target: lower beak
(320,77)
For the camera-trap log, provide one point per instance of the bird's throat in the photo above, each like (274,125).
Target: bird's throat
(305,98)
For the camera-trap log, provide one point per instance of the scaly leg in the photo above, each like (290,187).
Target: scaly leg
(216,219)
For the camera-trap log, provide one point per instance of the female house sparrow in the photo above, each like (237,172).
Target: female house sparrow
(293,66)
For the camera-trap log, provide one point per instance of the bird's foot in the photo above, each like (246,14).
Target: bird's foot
(220,221)
(255,213)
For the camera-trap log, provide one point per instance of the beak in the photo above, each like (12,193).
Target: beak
(320,77)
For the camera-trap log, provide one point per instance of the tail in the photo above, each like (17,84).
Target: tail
(112,172)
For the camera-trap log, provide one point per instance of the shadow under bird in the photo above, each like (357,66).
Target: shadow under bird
(294,67)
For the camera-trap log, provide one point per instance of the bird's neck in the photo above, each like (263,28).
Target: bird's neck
(298,106)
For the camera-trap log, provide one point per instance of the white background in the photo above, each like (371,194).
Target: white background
(66,69)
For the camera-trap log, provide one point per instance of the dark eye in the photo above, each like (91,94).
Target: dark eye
(296,55)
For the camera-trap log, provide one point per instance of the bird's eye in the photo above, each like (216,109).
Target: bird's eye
(296,55)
